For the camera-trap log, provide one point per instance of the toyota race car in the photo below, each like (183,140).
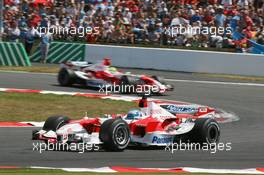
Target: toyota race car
(154,124)
(103,75)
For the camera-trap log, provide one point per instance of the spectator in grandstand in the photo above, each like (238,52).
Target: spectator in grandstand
(46,39)
(227,2)
(134,21)
(260,35)
(243,3)
(14,33)
(30,37)
(220,18)
(196,17)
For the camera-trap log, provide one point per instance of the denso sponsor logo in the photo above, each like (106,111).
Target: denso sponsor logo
(161,140)
(162,118)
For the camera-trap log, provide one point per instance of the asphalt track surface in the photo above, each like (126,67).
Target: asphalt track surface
(245,135)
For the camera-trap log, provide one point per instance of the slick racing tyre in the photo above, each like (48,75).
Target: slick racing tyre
(126,84)
(115,134)
(34,134)
(55,122)
(159,79)
(206,130)
(66,77)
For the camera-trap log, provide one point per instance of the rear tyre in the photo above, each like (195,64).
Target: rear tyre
(35,135)
(160,80)
(66,77)
(205,131)
(115,134)
(55,122)
(125,85)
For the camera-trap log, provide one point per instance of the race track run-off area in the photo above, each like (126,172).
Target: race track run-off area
(245,135)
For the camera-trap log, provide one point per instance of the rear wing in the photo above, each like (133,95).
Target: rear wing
(76,64)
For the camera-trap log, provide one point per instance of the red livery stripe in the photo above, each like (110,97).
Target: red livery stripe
(8,167)
(146,170)
(13,124)
(260,169)
(23,90)
(91,95)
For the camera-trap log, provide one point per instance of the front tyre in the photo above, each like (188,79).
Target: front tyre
(115,134)
(55,122)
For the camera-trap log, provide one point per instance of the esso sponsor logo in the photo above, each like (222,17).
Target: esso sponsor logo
(164,117)
(162,140)
(203,109)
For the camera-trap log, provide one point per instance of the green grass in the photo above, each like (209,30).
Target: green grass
(228,76)
(37,69)
(37,107)
(59,172)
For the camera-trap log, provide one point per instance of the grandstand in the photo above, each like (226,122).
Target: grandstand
(140,22)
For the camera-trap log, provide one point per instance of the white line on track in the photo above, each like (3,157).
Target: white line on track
(216,82)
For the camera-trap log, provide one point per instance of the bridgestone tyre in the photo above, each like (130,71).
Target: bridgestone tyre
(66,77)
(55,122)
(206,130)
(115,134)
(126,84)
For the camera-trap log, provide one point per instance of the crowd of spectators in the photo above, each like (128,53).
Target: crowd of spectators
(138,21)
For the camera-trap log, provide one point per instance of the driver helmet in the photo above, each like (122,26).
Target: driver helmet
(134,115)
(107,61)
(112,69)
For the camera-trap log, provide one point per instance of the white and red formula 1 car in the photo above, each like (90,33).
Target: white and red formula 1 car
(103,75)
(155,124)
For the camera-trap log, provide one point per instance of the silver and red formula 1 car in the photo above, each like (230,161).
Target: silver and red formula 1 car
(154,124)
(103,75)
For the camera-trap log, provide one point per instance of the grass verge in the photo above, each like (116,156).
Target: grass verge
(36,69)
(37,107)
